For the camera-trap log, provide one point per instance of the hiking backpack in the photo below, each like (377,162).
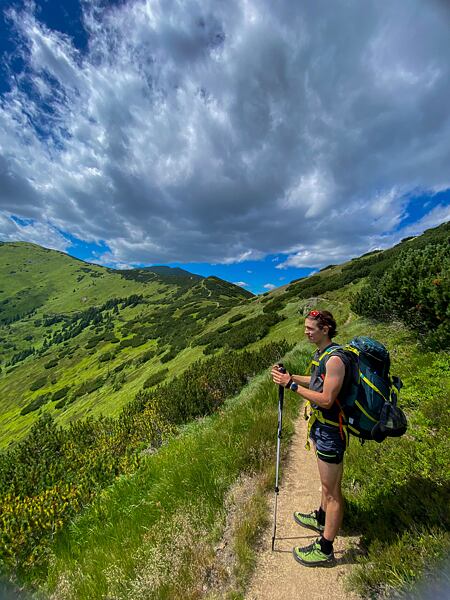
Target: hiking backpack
(369,402)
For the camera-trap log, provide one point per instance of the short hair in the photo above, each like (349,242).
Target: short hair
(324,317)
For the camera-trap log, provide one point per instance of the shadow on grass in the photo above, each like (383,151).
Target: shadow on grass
(349,556)
(417,503)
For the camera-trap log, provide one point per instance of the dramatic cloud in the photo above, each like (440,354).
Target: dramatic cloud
(224,131)
(14,230)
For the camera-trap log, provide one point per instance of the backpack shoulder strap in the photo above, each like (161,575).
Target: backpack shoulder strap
(325,355)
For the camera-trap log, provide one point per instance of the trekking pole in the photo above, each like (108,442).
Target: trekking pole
(280,422)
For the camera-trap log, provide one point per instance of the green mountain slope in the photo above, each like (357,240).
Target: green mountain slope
(141,501)
(79,339)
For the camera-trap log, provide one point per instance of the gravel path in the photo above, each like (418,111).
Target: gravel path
(277,575)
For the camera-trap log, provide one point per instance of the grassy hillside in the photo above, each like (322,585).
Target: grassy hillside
(140,539)
(79,340)
(114,507)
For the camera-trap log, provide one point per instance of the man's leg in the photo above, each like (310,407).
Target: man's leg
(320,552)
(332,500)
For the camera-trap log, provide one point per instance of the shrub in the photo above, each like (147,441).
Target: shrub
(134,342)
(203,387)
(155,378)
(51,363)
(172,353)
(38,383)
(48,477)
(415,290)
(61,393)
(236,318)
(110,337)
(240,336)
(35,404)
(145,357)
(89,386)
(92,343)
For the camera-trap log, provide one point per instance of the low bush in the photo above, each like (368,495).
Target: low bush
(145,357)
(133,342)
(71,466)
(51,363)
(172,353)
(415,290)
(35,404)
(155,378)
(236,318)
(110,337)
(38,383)
(172,538)
(237,337)
(89,386)
(61,393)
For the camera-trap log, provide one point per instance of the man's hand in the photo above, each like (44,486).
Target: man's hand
(278,377)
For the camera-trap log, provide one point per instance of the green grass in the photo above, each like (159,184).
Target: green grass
(398,492)
(396,495)
(152,535)
(137,539)
(53,283)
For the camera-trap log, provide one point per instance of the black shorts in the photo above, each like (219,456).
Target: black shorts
(330,446)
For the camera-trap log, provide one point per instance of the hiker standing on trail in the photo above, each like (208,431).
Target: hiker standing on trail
(326,430)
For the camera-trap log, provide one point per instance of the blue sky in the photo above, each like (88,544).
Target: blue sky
(254,141)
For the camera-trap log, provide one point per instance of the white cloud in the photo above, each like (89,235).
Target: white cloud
(439,214)
(223,132)
(269,286)
(241,283)
(43,234)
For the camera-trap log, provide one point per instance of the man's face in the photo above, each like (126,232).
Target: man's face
(313,332)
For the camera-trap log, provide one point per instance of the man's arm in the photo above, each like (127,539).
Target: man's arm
(331,386)
(302,379)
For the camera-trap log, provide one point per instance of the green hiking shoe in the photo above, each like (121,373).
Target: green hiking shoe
(309,520)
(312,556)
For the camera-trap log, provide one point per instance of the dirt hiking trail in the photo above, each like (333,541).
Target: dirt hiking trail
(278,576)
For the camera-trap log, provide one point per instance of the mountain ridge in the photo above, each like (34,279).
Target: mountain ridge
(79,339)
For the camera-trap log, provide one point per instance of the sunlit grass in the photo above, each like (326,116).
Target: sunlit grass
(152,535)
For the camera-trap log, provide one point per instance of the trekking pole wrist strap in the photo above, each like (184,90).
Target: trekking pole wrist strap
(288,385)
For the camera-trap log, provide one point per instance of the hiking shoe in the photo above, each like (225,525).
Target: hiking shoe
(312,556)
(309,520)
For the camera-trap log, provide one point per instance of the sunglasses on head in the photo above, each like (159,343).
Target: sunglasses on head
(314,313)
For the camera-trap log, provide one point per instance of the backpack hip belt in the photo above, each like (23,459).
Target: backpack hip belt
(316,415)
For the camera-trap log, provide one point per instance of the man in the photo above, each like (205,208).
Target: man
(327,432)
